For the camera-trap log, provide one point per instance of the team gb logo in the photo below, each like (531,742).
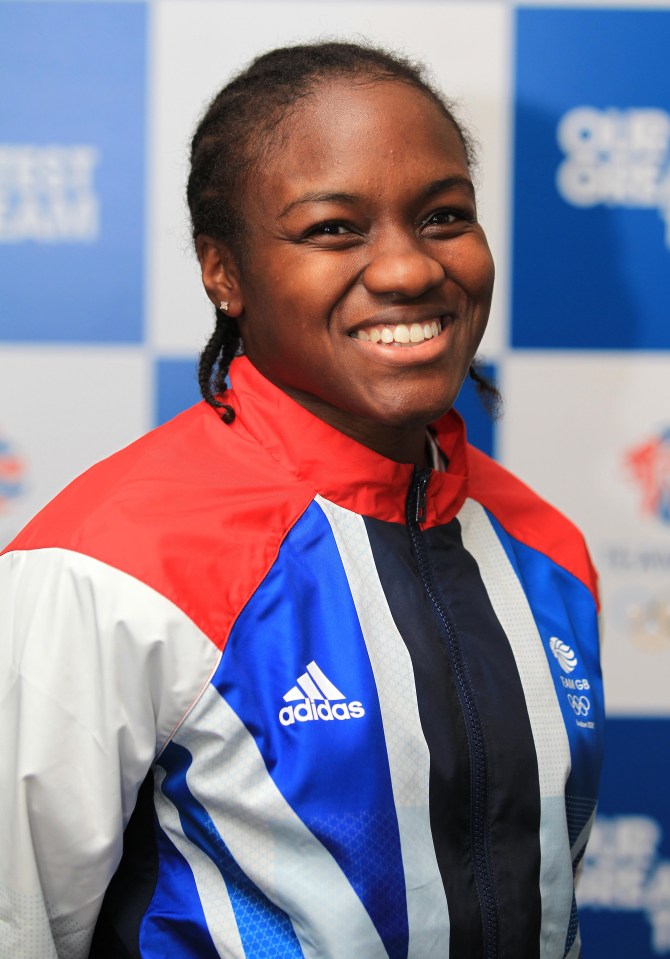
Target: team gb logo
(563,653)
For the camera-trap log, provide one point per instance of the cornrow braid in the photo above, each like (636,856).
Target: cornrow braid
(488,393)
(215,362)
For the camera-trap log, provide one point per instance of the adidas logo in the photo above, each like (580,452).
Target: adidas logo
(315,698)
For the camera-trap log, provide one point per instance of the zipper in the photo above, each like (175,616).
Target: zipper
(420,478)
(481,852)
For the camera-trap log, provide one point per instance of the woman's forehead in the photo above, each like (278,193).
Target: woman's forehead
(363,129)
(348,102)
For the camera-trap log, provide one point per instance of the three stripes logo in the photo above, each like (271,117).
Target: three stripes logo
(314,698)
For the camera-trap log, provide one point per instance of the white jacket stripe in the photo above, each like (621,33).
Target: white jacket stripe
(269,842)
(408,755)
(209,882)
(551,740)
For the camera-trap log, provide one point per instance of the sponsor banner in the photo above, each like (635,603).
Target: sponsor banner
(78,407)
(72,135)
(592,179)
(190,64)
(587,205)
(624,890)
(590,433)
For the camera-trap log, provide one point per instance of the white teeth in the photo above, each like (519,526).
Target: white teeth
(401,333)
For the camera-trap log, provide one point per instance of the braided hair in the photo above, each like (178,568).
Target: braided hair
(237,132)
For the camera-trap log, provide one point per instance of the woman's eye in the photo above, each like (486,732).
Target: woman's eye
(329,228)
(449,217)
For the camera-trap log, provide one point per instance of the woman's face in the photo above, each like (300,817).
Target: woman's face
(365,282)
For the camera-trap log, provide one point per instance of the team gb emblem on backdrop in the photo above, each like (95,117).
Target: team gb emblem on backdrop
(649,465)
(11,473)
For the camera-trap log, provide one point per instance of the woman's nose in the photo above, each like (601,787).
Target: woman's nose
(409,272)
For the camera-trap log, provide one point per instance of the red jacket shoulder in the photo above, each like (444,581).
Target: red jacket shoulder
(182,509)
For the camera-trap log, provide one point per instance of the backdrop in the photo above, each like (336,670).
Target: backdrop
(102,315)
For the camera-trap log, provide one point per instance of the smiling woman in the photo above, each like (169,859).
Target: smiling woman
(368,229)
(291,660)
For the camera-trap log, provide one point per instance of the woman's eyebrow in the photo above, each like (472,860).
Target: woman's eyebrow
(440,186)
(320,197)
(437,186)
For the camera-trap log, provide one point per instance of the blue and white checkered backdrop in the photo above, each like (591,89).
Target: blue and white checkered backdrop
(102,315)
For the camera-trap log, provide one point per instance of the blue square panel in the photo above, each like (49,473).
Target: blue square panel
(624,890)
(591,264)
(72,160)
(176,387)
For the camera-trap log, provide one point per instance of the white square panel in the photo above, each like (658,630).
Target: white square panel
(79,406)
(197,45)
(590,433)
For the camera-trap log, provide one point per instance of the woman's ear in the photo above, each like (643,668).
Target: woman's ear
(220,274)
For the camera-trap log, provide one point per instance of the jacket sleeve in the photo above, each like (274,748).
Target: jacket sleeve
(96,670)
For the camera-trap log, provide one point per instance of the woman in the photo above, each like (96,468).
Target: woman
(323,653)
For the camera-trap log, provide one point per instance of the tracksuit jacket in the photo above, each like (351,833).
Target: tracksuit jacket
(265,693)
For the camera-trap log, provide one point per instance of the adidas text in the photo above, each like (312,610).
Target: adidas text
(308,711)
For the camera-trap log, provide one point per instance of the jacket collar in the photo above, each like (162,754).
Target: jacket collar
(336,466)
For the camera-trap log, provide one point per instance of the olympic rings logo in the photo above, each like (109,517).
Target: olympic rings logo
(580,704)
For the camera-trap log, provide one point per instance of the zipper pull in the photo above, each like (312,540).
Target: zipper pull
(421,484)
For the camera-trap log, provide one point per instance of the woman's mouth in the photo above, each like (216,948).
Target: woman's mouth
(401,334)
